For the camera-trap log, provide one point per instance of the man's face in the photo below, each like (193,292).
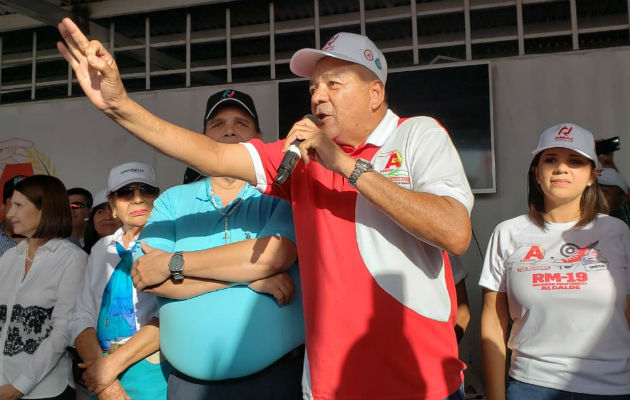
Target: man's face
(340,98)
(79,210)
(231,125)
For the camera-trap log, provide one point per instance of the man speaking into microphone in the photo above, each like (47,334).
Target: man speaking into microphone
(376,201)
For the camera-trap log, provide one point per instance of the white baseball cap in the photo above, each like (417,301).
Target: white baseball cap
(130,172)
(345,46)
(100,197)
(611,177)
(569,136)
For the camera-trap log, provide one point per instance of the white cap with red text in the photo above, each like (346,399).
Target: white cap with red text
(569,136)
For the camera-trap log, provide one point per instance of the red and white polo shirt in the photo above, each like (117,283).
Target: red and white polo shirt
(379,304)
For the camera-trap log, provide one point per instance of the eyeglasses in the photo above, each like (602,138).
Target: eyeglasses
(75,205)
(127,192)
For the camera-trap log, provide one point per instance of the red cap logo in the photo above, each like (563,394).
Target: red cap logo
(565,130)
(329,44)
(368,55)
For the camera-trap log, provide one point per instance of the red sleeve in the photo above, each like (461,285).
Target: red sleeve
(271,156)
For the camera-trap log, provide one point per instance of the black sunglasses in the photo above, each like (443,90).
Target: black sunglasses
(127,192)
(75,205)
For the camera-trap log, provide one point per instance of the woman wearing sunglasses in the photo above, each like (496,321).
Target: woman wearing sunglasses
(560,275)
(101,221)
(115,328)
(39,279)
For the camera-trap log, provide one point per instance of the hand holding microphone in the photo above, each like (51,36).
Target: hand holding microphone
(291,157)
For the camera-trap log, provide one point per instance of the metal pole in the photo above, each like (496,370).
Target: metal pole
(188,38)
(272,41)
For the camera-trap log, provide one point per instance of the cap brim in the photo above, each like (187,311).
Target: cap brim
(135,180)
(229,100)
(303,61)
(565,147)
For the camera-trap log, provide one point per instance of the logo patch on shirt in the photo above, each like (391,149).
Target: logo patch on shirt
(534,254)
(570,259)
(391,166)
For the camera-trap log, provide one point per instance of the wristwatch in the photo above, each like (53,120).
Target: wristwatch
(360,167)
(176,265)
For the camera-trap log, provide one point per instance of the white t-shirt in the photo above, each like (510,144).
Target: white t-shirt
(100,266)
(34,314)
(567,294)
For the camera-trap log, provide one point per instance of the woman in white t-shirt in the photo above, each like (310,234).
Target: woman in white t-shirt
(560,275)
(39,279)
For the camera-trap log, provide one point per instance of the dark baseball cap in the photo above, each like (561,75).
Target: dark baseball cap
(231,97)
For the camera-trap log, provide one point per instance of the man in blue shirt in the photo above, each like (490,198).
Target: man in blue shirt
(232,343)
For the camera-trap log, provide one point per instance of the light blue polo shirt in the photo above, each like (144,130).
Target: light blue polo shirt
(232,332)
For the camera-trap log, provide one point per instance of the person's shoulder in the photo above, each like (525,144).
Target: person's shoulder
(184,189)
(422,124)
(10,253)
(608,222)
(101,245)
(515,224)
(70,249)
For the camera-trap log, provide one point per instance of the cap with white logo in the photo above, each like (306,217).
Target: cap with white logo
(345,46)
(611,177)
(569,136)
(130,172)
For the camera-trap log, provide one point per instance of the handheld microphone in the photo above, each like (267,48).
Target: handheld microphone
(291,157)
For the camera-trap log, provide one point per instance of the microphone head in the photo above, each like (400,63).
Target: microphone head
(312,118)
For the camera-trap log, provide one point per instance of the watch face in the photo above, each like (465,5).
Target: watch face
(176,264)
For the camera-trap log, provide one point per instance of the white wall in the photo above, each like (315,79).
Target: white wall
(83,144)
(531,93)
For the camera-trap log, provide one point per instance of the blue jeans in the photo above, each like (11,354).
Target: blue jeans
(517,390)
(458,395)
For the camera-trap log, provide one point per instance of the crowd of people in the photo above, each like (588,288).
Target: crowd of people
(196,292)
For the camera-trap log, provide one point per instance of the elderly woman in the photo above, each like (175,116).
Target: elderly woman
(101,222)
(115,329)
(39,279)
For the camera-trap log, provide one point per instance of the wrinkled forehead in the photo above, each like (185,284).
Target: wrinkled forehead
(329,67)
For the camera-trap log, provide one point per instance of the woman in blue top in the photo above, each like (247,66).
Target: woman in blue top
(115,329)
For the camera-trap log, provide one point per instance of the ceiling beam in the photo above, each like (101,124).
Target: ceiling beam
(98,9)
(43,11)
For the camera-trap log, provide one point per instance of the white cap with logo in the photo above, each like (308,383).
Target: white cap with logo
(569,136)
(345,46)
(611,177)
(130,172)
(100,197)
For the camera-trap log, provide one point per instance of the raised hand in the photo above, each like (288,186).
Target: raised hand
(280,286)
(94,67)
